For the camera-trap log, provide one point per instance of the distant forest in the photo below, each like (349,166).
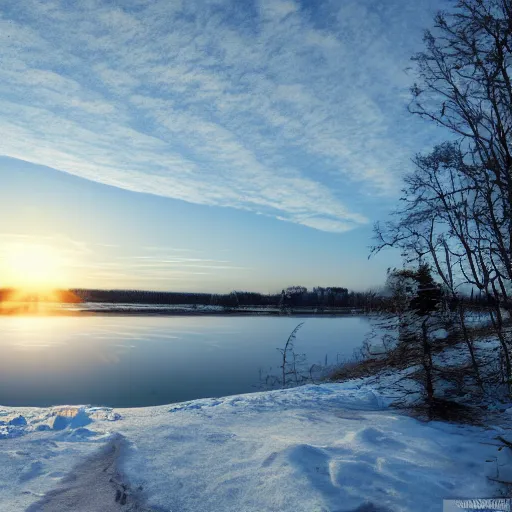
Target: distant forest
(291,297)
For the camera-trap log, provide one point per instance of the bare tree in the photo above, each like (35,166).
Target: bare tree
(465,86)
(456,207)
(291,361)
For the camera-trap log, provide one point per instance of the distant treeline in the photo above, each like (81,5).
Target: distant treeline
(293,296)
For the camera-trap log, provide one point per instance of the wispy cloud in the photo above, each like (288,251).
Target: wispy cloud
(77,262)
(271,106)
(65,245)
(21,255)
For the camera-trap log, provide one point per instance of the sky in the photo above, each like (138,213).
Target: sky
(205,145)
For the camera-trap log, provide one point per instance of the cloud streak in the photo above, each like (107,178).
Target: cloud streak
(87,263)
(270,107)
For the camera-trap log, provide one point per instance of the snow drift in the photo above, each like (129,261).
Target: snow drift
(333,447)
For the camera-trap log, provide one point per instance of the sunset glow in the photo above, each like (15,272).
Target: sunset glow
(32,267)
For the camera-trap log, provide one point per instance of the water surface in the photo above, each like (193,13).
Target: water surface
(137,361)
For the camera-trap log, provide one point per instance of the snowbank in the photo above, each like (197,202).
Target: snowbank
(332,447)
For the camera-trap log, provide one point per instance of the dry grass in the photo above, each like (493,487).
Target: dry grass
(447,411)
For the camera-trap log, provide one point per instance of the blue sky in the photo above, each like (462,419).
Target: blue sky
(207,145)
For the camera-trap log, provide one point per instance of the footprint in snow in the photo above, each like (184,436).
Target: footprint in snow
(35,470)
(269,460)
(219,437)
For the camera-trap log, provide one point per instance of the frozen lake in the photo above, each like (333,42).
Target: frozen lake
(132,361)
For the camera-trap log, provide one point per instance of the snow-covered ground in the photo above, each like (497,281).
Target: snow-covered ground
(331,447)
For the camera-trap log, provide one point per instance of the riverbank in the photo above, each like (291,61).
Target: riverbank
(330,447)
(33,309)
(458,395)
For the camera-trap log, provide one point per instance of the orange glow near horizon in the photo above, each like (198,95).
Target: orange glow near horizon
(32,268)
(24,303)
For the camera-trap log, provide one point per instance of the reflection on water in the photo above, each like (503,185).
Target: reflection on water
(27,308)
(136,361)
(42,302)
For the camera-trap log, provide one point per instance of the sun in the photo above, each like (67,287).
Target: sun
(31,267)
